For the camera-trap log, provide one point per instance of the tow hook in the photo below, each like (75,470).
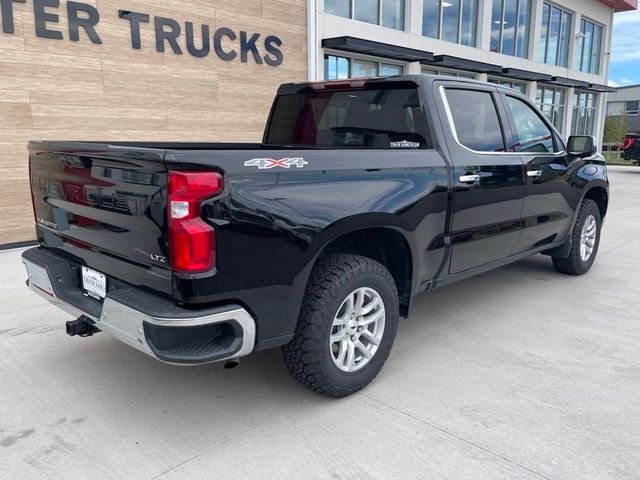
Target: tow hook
(231,363)
(83,327)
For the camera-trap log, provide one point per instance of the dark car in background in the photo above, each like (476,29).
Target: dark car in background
(631,148)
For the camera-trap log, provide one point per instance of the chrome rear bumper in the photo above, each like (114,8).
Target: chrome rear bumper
(182,337)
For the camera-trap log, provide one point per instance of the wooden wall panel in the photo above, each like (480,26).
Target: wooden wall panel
(64,90)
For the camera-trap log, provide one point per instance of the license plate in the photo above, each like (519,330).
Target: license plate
(95,283)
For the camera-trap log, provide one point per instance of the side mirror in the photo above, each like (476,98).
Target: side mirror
(582,145)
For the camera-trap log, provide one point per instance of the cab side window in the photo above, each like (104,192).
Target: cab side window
(531,133)
(475,119)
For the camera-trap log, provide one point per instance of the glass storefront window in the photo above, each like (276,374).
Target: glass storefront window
(386,70)
(450,20)
(554,39)
(551,102)
(510,27)
(340,68)
(387,13)
(366,11)
(517,86)
(341,8)
(448,73)
(584,113)
(363,68)
(336,68)
(393,14)
(589,47)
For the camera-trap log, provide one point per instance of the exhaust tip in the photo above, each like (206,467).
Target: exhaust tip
(231,363)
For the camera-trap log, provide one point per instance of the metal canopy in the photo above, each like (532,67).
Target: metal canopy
(448,61)
(601,88)
(526,75)
(378,49)
(568,82)
(405,54)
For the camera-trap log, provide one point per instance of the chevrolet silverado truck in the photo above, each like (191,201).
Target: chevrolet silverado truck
(362,194)
(631,148)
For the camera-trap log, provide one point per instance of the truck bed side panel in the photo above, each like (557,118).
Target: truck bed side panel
(272,223)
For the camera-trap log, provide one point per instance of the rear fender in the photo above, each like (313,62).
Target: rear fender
(344,227)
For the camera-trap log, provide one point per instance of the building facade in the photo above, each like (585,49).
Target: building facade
(556,52)
(625,104)
(207,70)
(181,70)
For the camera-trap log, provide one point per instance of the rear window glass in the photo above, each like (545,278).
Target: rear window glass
(382,118)
(476,120)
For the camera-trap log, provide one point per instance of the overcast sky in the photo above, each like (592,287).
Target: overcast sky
(625,54)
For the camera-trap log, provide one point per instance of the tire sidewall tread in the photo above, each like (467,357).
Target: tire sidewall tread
(573,264)
(308,356)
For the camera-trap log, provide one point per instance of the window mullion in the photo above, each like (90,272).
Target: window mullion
(546,46)
(502,12)
(559,40)
(516,28)
(584,43)
(440,19)
(593,41)
(460,9)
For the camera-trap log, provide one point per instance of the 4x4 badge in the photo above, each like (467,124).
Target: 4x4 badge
(268,163)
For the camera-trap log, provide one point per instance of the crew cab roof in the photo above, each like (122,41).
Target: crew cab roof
(417,80)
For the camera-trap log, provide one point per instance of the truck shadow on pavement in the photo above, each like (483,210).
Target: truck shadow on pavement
(138,384)
(127,399)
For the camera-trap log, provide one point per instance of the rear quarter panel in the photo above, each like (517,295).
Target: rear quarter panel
(273,223)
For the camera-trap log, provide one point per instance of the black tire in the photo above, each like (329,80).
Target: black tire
(308,357)
(574,264)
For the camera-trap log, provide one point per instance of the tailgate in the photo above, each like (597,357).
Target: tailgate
(103,205)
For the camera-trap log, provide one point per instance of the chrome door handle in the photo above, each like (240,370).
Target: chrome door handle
(469,178)
(534,173)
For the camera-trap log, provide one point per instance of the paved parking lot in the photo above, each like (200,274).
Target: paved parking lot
(519,373)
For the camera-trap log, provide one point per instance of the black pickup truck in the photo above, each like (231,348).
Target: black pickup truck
(362,194)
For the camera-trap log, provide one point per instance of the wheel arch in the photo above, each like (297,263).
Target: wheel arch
(599,194)
(387,247)
(598,191)
(381,237)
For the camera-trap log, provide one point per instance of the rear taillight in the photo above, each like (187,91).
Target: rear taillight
(192,241)
(628,143)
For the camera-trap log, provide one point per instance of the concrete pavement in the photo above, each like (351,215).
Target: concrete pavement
(521,373)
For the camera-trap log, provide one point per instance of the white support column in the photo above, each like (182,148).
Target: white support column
(572,53)
(484,25)
(568,110)
(598,130)
(312,40)
(483,77)
(574,61)
(414,17)
(414,68)
(536,31)
(533,89)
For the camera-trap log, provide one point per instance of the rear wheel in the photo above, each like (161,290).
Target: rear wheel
(585,241)
(346,327)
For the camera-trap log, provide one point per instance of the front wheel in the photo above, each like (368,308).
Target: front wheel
(346,327)
(585,241)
